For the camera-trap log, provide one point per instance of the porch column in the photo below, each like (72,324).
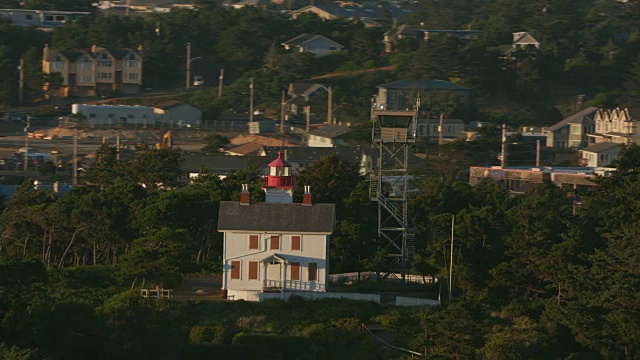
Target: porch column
(283,273)
(264,274)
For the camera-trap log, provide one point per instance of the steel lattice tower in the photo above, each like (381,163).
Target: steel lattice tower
(393,133)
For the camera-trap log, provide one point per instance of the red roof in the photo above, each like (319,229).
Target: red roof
(279,162)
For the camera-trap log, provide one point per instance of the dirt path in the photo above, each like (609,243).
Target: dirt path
(353,72)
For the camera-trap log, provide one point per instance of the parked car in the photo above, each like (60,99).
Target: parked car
(198,81)
(183,124)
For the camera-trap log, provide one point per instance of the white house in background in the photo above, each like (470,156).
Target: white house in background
(317,45)
(173,112)
(275,246)
(109,115)
(600,154)
(327,136)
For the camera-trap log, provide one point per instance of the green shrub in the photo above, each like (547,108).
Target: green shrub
(217,334)
(348,324)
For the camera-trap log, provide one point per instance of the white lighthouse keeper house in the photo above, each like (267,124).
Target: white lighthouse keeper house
(278,245)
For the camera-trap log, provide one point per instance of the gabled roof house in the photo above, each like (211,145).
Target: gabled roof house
(317,45)
(276,246)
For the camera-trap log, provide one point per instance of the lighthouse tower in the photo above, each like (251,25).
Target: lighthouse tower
(278,185)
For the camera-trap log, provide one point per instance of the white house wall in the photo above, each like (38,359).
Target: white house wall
(319,141)
(314,249)
(102,115)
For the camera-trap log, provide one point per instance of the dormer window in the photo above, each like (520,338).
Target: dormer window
(104,60)
(58,63)
(86,63)
(132,61)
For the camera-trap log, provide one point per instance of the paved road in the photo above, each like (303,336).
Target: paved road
(13,143)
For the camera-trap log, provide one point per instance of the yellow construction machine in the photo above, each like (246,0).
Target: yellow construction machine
(166,141)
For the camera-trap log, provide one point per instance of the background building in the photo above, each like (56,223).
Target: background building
(178,113)
(402,95)
(94,71)
(110,115)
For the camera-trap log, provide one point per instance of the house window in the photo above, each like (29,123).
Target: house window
(253,242)
(111,116)
(132,62)
(235,269)
(59,18)
(29,17)
(253,270)
(275,242)
(92,115)
(333,48)
(295,243)
(602,157)
(130,116)
(85,78)
(104,76)
(58,64)
(105,61)
(313,271)
(86,64)
(133,76)
(295,271)
(48,17)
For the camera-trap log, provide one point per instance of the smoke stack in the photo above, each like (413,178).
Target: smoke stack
(306,197)
(244,195)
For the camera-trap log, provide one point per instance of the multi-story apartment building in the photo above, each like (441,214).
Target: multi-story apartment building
(94,71)
(42,19)
(617,126)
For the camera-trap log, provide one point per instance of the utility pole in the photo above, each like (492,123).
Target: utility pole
(282,104)
(26,144)
(307,109)
(453,222)
(220,83)
(537,152)
(21,84)
(74,179)
(330,106)
(188,74)
(251,99)
(118,147)
(503,154)
(440,129)
(427,133)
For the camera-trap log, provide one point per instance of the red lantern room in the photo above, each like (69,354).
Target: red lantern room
(278,185)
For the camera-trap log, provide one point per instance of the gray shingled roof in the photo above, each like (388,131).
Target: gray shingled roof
(312,154)
(603,146)
(423,84)
(304,89)
(583,117)
(330,131)
(221,164)
(306,38)
(272,217)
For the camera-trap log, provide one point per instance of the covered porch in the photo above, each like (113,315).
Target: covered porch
(277,276)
